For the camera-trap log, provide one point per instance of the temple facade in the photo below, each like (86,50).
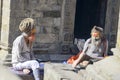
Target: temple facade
(56,22)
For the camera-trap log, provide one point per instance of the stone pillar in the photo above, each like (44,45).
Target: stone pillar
(67,30)
(117,49)
(118,33)
(0,14)
(111,21)
(5,29)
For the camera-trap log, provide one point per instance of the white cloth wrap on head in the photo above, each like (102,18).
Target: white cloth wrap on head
(27,25)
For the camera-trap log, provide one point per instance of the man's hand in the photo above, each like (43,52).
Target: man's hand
(74,64)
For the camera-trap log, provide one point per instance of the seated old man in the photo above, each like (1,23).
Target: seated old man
(95,48)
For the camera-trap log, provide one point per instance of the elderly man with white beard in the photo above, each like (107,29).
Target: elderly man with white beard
(95,48)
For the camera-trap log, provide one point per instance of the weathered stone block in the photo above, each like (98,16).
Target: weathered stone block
(55,30)
(47,38)
(59,71)
(57,21)
(65,49)
(17,6)
(51,2)
(68,36)
(59,2)
(53,14)
(44,21)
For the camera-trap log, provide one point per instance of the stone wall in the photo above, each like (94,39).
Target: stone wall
(54,23)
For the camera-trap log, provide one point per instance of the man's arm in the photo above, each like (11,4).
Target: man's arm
(82,54)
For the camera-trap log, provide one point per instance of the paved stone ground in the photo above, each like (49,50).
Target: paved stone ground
(58,58)
(5,74)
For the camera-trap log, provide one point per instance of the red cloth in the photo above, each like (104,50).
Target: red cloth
(73,58)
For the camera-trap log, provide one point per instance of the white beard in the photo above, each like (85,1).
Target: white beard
(95,41)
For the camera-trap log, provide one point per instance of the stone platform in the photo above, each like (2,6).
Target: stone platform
(59,71)
(106,69)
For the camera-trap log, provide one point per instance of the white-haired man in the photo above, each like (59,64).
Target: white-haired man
(95,48)
(22,55)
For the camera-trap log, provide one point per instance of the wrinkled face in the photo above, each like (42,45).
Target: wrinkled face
(95,35)
(32,35)
(96,39)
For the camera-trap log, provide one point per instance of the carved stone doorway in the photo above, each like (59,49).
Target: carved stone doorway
(88,14)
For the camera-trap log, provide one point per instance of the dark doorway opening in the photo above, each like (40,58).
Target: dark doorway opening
(88,14)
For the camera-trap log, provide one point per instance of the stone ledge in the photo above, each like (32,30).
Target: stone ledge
(53,57)
(106,69)
(59,71)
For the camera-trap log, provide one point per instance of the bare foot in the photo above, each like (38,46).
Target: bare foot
(84,63)
(26,71)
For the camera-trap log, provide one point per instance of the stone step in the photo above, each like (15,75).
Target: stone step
(59,57)
(53,57)
(8,58)
(42,57)
(45,57)
(9,64)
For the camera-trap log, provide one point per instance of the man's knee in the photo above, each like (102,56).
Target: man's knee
(34,64)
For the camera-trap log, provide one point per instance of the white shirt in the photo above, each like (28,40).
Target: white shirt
(20,51)
(95,51)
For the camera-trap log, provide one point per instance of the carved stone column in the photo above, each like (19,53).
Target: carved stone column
(4,42)
(67,26)
(111,22)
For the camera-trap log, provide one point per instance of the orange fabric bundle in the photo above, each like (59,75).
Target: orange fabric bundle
(73,58)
